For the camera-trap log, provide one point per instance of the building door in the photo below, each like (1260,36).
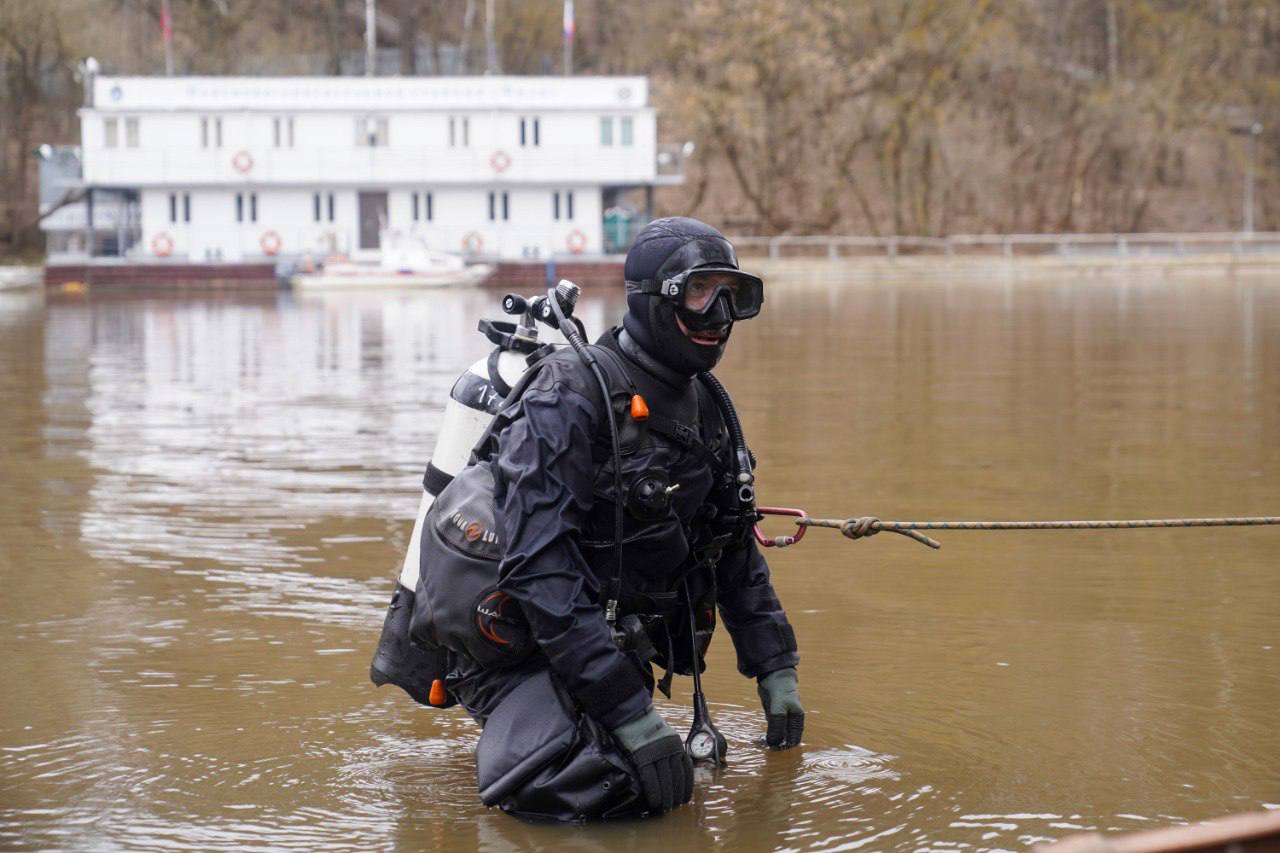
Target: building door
(373,218)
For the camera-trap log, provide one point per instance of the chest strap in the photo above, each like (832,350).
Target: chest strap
(684,435)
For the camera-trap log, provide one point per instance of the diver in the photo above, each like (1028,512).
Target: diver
(570,731)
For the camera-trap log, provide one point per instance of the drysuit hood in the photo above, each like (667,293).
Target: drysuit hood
(662,249)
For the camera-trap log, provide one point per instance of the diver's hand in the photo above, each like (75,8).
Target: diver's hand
(665,770)
(782,709)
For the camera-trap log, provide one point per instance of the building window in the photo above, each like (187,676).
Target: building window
(459,131)
(568,205)
(627,130)
(372,131)
(211,132)
(131,132)
(422,207)
(186,207)
(430,212)
(173,207)
(606,130)
(253,207)
(493,206)
(530,127)
(282,131)
(110,133)
(319,206)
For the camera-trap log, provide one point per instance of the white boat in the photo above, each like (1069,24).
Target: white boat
(406,263)
(16,278)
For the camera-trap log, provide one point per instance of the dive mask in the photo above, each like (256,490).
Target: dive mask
(697,291)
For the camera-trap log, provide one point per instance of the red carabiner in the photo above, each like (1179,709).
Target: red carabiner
(779,541)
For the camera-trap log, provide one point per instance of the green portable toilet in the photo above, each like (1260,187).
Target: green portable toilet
(617,229)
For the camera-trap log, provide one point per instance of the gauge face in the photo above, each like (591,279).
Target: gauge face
(702,745)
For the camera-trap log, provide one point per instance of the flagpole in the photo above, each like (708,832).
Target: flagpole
(569,29)
(370,38)
(166,34)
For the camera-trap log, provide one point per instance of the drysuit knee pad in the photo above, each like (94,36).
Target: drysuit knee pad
(539,758)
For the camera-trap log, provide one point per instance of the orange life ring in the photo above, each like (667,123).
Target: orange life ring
(270,242)
(242,162)
(162,245)
(576,241)
(473,243)
(500,161)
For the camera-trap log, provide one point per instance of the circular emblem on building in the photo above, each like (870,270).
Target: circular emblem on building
(576,241)
(242,162)
(624,93)
(473,243)
(116,92)
(500,161)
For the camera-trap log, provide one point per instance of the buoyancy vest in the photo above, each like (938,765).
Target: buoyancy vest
(675,475)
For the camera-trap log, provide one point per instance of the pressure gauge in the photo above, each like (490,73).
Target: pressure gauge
(702,746)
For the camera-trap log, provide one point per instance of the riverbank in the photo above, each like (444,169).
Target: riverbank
(976,268)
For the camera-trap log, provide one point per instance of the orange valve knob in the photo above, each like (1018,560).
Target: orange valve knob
(639,408)
(438,696)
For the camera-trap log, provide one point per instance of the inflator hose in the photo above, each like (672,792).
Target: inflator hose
(745,478)
(571,334)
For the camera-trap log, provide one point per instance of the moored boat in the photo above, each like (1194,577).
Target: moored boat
(405,262)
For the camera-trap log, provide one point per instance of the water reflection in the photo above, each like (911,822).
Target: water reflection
(206,501)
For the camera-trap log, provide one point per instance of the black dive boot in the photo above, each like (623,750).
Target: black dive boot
(397,661)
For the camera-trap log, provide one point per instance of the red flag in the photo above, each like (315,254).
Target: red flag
(166,22)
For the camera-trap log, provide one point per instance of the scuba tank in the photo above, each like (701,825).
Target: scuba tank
(476,396)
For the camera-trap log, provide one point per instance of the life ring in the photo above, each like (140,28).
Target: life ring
(576,241)
(242,162)
(473,243)
(162,245)
(270,242)
(500,161)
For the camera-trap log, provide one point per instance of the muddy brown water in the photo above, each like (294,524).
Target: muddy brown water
(205,501)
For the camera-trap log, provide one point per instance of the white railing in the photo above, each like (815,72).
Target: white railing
(1013,245)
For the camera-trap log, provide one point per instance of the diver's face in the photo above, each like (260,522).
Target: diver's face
(699,290)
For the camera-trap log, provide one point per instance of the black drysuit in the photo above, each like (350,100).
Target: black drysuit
(545,751)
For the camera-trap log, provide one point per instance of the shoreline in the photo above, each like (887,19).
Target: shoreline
(988,268)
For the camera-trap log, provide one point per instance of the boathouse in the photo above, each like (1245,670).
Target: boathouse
(250,170)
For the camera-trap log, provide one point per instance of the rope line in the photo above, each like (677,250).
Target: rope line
(869,525)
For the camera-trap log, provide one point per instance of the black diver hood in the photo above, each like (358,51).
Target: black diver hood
(662,249)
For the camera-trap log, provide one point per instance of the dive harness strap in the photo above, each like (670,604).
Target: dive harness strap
(495,375)
(435,480)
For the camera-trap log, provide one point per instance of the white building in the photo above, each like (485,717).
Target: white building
(241,169)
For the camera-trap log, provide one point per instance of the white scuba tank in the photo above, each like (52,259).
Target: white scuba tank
(474,400)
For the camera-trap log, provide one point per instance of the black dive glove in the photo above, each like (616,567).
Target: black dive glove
(782,708)
(665,770)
